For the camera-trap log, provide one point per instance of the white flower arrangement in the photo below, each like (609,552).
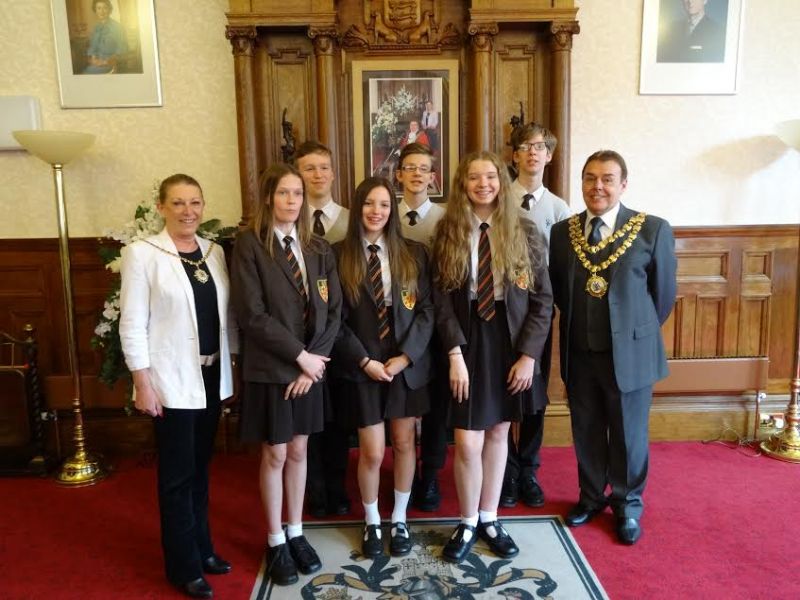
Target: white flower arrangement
(391,110)
(146,222)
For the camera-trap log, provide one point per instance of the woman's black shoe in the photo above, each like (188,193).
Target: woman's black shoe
(372,545)
(304,556)
(280,566)
(400,540)
(457,547)
(501,544)
(214,565)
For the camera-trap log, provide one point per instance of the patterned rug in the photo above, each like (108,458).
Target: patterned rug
(550,565)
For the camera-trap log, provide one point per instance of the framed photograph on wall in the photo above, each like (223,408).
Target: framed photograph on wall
(106,53)
(691,46)
(396,102)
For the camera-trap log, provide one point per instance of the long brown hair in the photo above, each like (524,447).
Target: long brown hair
(263,220)
(451,244)
(353,263)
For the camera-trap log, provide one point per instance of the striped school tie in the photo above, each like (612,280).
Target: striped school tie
(376,281)
(297,274)
(485,279)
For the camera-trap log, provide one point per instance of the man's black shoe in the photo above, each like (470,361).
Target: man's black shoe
(280,565)
(628,530)
(304,556)
(509,492)
(425,495)
(580,514)
(530,492)
(338,504)
(196,588)
(214,565)
(317,504)
(457,548)
(501,544)
(400,541)
(371,544)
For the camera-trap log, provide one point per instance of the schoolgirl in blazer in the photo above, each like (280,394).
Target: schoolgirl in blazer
(493,308)
(287,298)
(381,356)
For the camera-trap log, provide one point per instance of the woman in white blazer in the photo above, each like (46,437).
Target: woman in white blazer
(177,340)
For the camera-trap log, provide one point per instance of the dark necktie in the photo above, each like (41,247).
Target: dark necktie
(526,201)
(485,278)
(294,266)
(412,217)
(595,237)
(376,281)
(319,228)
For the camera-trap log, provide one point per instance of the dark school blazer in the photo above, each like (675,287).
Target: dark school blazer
(641,294)
(269,308)
(528,311)
(413,327)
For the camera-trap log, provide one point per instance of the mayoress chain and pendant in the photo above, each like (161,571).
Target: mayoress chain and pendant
(597,285)
(201,275)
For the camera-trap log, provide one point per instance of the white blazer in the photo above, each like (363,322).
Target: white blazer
(158,323)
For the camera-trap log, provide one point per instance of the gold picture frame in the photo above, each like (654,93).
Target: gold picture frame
(389,96)
(106,58)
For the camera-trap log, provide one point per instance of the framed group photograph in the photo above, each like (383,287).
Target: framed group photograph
(691,46)
(106,53)
(397,102)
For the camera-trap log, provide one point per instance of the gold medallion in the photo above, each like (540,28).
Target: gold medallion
(596,286)
(200,275)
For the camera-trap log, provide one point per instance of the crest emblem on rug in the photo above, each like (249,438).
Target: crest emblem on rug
(322,288)
(409,299)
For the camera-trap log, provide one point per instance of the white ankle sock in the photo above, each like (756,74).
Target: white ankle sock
(294,530)
(276,539)
(400,506)
(471,521)
(371,514)
(488,517)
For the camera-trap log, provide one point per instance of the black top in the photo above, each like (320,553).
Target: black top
(205,303)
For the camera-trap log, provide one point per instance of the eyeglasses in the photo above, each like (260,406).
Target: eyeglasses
(414,168)
(538,146)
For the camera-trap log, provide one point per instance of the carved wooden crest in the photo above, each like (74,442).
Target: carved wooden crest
(390,24)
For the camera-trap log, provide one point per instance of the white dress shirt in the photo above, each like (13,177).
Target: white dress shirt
(298,253)
(330,212)
(609,221)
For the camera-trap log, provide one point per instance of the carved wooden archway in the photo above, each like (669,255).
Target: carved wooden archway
(297,56)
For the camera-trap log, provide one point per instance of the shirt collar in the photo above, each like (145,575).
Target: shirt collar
(421,210)
(519,190)
(476,222)
(330,209)
(609,218)
(280,235)
(380,242)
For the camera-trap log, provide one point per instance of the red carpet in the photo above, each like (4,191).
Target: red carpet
(717,524)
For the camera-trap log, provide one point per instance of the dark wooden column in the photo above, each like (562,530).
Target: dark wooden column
(479,136)
(243,41)
(324,39)
(560,98)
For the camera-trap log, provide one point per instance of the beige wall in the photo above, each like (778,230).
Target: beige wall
(193,132)
(693,159)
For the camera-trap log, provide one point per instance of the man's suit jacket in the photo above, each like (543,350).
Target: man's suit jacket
(528,310)
(158,321)
(270,309)
(413,327)
(641,295)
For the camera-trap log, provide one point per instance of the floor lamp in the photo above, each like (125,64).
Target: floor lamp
(57,148)
(785,445)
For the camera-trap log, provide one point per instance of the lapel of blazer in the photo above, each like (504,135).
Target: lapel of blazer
(162,240)
(280,258)
(622,217)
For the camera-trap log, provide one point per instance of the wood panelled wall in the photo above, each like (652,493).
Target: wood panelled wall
(737,296)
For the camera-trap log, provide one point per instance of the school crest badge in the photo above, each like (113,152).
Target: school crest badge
(409,299)
(322,288)
(522,281)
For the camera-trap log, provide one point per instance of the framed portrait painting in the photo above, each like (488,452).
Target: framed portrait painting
(397,102)
(691,46)
(106,53)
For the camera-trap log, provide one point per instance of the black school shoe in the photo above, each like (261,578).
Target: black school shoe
(425,495)
(457,548)
(304,556)
(501,544)
(371,545)
(280,565)
(400,542)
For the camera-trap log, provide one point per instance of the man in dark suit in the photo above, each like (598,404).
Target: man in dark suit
(695,38)
(613,277)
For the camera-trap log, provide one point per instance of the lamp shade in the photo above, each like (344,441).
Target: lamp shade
(789,132)
(54,147)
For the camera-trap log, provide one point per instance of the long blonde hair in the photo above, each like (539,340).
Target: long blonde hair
(263,220)
(451,245)
(353,263)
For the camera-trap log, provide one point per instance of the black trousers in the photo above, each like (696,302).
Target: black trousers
(185,441)
(433,434)
(611,435)
(327,456)
(523,457)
